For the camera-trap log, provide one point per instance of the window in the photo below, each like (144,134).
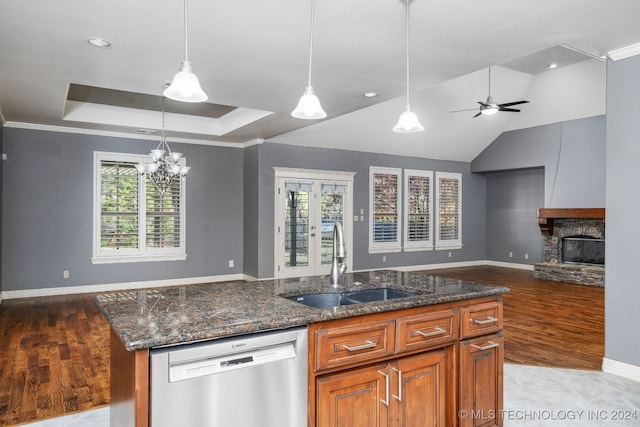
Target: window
(133,221)
(448,208)
(418,202)
(385,213)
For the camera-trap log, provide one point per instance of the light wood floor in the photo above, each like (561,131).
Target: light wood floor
(54,351)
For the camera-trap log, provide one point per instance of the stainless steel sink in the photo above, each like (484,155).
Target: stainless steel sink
(330,300)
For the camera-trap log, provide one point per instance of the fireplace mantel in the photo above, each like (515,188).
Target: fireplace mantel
(547,215)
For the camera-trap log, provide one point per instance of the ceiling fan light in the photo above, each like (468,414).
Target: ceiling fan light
(309,106)
(185,86)
(408,122)
(489,111)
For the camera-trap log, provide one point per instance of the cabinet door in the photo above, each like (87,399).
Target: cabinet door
(481,361)
(357,398)
(419,392)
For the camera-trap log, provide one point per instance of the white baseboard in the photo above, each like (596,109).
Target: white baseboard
(528,267)
(82,289)
(621,369)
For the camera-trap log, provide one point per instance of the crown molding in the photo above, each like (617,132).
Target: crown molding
(624,52)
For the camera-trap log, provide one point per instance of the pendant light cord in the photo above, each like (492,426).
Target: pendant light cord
(407,40)
(311,41)
(186,26)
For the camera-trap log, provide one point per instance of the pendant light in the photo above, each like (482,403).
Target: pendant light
(185,86)
(408,121)
(309,105)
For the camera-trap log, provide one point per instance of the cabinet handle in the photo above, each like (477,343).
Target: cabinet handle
(489,346)
(386,380)
(369,344)
(399,396)
(487,321)
(436,331)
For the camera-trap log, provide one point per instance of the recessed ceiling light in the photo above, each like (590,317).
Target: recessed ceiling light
(99,42)
(370,94)
(553,65)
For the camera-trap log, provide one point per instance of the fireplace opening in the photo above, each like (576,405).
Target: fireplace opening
(582,250)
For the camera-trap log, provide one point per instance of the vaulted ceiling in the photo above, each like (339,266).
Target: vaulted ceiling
(252,56)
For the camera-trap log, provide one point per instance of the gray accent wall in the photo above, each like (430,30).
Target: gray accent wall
(622,288)
(572,154)
(1,162)
(281,155)
(513,198)
(47,183)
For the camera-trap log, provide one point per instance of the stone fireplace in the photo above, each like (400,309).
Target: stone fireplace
(573,246)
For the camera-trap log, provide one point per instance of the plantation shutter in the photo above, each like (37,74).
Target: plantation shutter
(118,206)
(385,208)
(163,216)
(449,209)
(418,208)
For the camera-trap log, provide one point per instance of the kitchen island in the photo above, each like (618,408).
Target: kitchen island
(143,320)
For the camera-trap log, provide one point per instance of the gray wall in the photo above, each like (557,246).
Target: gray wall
(1,151)
(251,210)
(622,290)
(48,185)
(281,155)
(513,198)
(572,154)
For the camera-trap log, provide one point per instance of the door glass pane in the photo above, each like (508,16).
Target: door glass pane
(331,210)
(296,228)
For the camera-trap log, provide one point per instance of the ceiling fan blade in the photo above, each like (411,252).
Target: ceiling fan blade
(460,111)
(484,104)
(511,104)
(477,115)
(513,110)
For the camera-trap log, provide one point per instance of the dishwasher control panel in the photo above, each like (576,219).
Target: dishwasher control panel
(198,368)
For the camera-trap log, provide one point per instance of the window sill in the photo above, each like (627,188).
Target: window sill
(384,250)
(137,258)
(418,248)
(444,247)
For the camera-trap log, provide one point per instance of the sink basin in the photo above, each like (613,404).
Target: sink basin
(330,300)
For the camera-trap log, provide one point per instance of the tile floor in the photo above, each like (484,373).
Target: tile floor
(533,397)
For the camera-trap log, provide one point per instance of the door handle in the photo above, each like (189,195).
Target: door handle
(488,320)
(399,396)
(489,346)
(386,379)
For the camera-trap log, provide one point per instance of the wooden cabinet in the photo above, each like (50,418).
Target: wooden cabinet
(481,367)
(407,392)
(420,367)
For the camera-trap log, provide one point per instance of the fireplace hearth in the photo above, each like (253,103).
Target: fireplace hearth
(573,246)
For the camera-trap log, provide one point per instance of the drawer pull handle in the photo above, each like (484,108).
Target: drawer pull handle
(489,346)
(386,379)
(369,344)
(487,321)
(435,332)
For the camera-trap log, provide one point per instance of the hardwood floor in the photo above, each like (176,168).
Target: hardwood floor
(54,351)
(54,357)
(546,323)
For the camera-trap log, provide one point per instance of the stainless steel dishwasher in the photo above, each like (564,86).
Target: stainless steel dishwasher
(257,380)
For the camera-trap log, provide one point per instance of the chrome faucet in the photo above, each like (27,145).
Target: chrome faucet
(339,265)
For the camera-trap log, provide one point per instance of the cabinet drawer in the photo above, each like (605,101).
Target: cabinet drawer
(481,319)
(345,345)
(426,330)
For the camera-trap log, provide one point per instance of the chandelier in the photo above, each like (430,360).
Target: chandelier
(164,170)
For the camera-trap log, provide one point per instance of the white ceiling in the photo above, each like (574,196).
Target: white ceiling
(253,54)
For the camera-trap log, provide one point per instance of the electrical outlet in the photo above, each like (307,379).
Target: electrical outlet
(384,258)
(361,211)
(526,256)
(355,218)
(510,254)
(449,254)
(231,263)
(65,274)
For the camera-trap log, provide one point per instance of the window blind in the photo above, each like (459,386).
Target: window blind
(163,216)
(449,209)
(418,208)
(118,205)
(385,207)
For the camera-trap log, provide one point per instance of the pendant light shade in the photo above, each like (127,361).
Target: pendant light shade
(185,86)
(309,105)
(408,121)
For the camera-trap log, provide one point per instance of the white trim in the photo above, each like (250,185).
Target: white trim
(82,289)
(624,52)
(621,369)
(462,264)
(314,174)
(528,267)
(114,134)
(137,258)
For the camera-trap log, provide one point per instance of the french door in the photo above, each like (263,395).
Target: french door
(308,203)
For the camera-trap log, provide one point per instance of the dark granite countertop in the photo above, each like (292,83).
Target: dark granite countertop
(184,314)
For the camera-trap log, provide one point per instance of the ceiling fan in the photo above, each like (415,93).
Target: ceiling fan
(489,107)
